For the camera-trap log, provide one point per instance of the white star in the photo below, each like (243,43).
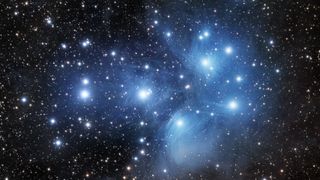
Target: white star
(88,125)
(144,94)
(238,78)
(52,121)
(24,99)
(57,142)
(228,50)
(233,105)
(64,46)
(84,94)
(86,43)
(179,123)
(85,81)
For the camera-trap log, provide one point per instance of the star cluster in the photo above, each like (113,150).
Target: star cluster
(160,90)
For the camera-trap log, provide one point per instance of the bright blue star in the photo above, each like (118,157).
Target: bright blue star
(24,99)
(85,81)
(64,46)
(86,43)
(144,94)
(88,125)
(57,142)
(233,105)
(206,34)
(84,94)
(228,50)
(238,78)
(206,63)
(180,122)
(52,121)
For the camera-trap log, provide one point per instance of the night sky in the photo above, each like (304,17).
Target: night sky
(163,89)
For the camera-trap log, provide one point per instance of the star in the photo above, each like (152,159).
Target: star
(238,78)
(48,20)
(85,81)
(88,125)
(52,121)
(233,105)
(228,50)
(84,94)
(144,94)
(180,122)
(64,46)
(24,99)
(57,142)
(206,33)
(142,152)
(86,43)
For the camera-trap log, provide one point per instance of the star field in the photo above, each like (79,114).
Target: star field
(160,89)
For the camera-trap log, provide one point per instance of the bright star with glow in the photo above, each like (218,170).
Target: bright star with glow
(206,33)
(238,78)
(57,142)
(113,53)
(88,125)
(49,20)
(228,50)
(84,94)
(142,152)
(180,123)
(86,43)
(64,46)
(144,94)
(206,63)
(168,34)
(85,81)
(24,99)
(233,105)
(53,121)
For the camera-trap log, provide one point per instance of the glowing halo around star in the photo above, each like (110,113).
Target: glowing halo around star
(84,94)
(144,94)
(228,50)
(233,105)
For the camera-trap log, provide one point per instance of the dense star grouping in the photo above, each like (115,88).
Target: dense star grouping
(159,90)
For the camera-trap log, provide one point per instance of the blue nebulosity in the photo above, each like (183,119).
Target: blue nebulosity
(155,90)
